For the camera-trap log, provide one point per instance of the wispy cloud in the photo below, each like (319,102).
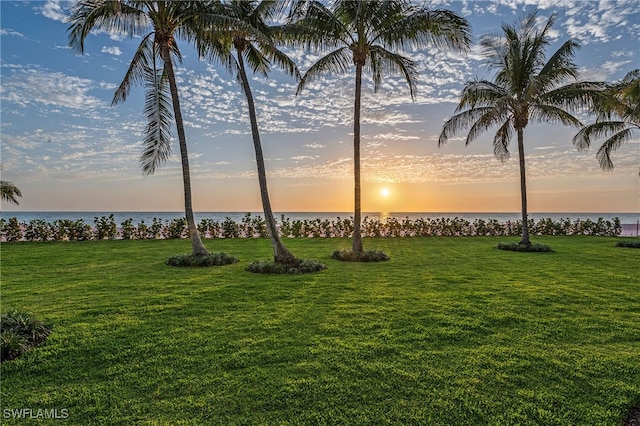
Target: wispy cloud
(112,50)
(25,86)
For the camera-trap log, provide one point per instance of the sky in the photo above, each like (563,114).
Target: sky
(67,149)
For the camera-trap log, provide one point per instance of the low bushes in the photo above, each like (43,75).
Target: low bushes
(355,256)
(255,227)
(21,331)
(524,247)
(629,243)
(211,259)
(302,266)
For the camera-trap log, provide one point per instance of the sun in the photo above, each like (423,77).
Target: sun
(385,192)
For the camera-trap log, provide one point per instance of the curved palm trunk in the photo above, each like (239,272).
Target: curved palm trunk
(197,247)
(523,189)
(280,253)
(357,236)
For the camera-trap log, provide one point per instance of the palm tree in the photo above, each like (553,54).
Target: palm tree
(157,23)
(9,192)
(242,36)
(369,34)
(622,101)
(526,86)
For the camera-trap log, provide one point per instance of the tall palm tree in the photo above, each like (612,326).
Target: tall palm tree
(526,86)
(9,192)
(244,37)
(158,24)
(370,35)
(618,117)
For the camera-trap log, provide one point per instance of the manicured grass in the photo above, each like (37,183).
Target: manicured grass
(450,331)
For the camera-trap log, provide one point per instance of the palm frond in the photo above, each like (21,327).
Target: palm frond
(558,68)
(142,60)
(338,61)
(461,121)
(159,116)
(553,114)
(501,141)
(613,143)
(111,16)
(439,28)
(9,192)
(481,93)
(582,140)
(384,61)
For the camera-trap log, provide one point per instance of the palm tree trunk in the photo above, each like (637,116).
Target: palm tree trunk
(197,248)
(523,189)
(357,214)
(280,253)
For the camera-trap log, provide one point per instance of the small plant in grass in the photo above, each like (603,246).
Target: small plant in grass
(524,247)
(630,244)
(365,256)
(210,259)
(302,266)
(21,331)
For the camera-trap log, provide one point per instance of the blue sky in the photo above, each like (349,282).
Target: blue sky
(68,149)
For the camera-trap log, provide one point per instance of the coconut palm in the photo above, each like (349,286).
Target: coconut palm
(9,192)
(618,118)
(244,37)
(526,86)
(158,24)
(370,35)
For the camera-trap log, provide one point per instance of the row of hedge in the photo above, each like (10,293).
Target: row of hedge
(254,227)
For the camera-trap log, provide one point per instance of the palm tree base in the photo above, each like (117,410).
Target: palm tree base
(360,256)
(540,248)
(208,259)
(300,266)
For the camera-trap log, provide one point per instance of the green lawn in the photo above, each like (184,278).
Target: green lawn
(450,331)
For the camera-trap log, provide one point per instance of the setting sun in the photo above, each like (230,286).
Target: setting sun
(385,192)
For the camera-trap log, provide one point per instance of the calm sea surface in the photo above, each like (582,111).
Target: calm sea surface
(147,217)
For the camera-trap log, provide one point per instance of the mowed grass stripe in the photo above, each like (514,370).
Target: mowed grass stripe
(449,331)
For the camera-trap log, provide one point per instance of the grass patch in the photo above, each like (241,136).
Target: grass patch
(355,256)
(210,259)
(450,332)
(628,243)
(302,266)
(532,248)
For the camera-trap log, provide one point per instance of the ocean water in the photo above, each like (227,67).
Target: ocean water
(147,217)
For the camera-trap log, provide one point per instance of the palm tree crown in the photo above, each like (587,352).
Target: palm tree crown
(369,34)
(157,23)
(526,86)
(618,118)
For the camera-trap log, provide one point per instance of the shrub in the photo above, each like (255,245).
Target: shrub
(12,345)
(211,259)
(302,266)
(106,228)
(176,229)
(128,230)
(630,244)
(524,247)
(12,230)
(21,331)
(365,256)
(230,228)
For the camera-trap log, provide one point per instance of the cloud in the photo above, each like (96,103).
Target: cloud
(112,50)
(11,33)
(54,10)
(26,86)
